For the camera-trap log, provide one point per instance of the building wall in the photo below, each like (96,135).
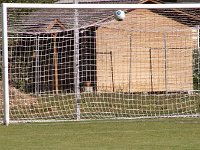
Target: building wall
(146,52)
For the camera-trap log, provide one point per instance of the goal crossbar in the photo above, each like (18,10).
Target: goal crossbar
(101,6)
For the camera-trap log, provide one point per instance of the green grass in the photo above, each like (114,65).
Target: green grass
(149,134)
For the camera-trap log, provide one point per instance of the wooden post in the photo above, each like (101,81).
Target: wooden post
(37,71)
(130,65)
(151,69)
(112,71)
(165,48)
(198,54)
(55,62)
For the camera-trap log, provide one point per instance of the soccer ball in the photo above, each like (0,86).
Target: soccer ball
(119,15)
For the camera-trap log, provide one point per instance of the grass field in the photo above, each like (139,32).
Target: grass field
(149,134)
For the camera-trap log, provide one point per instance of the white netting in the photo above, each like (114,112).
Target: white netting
(144,66)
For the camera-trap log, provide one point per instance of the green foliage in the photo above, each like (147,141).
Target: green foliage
(21,69)
(196,70)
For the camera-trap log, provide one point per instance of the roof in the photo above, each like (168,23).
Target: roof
(98,1)
(188,1)
(113,1)
(48,20)
(57,20)
(189,17)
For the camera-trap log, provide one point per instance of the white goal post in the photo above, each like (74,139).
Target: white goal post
(74,68)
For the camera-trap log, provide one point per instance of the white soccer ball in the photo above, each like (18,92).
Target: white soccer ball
(119,15)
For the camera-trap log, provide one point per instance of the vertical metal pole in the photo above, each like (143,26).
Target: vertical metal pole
(165,49)
(5,64)
(76,63)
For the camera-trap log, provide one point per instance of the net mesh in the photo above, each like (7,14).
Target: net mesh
(144,66)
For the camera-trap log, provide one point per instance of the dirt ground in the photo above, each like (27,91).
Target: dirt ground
(17,97)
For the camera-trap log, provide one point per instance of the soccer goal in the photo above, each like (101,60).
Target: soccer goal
(77,62)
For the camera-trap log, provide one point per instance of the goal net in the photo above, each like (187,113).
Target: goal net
(76,62)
